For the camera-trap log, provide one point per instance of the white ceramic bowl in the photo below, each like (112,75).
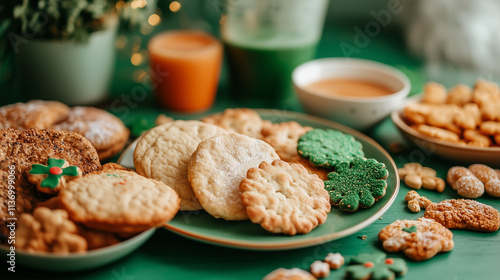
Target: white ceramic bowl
(77,261)
(358,113)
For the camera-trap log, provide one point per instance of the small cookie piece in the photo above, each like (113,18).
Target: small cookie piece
(488,177)
(411,195)
(416,176)
(419,240)
(242,120)
(476,138)
(358,183)
(163,154)
(52,177)
(320,269)
(434,93)
(106,132)
(32,114)
(460,95)
(464,214)
(335,260)
(289,274)
(375,266)
(438,133)
(284,198)
(490,128)
(48,231)
(416,202)
(487,96)
(119,201)
(327,148)
(414,206)
(468,117)
(417,113)
(217,168)
(283,137)
(163,119)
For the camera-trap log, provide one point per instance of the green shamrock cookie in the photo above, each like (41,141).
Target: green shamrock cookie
(327,148)
(376,266)
(54,170)
(358,183)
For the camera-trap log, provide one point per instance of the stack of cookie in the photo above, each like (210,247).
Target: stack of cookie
(225,170)
(63,199)
(236,166)
(106,132)
(462,115)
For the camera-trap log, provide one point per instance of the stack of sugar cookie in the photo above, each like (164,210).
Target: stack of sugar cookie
(65,201)
(106,132)
(221,166)
(236,166)
(462,115)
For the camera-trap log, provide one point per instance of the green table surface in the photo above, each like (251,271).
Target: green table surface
(170,256)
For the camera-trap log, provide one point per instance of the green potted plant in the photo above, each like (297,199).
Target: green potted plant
(64,49)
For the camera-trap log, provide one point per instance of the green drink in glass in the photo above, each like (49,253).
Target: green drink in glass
(264,41)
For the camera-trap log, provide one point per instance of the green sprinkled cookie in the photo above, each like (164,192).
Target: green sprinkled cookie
(327,148)
(376,266)
(358,183)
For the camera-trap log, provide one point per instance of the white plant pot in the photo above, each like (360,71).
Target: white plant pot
(71,72)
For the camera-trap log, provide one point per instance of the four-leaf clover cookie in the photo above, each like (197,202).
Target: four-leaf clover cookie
(376,266)
(327,148)
(360,182)
(50,178)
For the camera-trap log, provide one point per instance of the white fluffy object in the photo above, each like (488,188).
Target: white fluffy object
(462,33)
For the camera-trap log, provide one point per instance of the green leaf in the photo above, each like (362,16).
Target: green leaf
(39,169)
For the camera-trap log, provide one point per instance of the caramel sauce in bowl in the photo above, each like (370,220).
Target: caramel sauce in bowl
(355,92)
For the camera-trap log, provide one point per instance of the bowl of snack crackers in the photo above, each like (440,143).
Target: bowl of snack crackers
(460,124)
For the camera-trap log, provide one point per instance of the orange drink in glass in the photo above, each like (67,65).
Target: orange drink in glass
(186,68)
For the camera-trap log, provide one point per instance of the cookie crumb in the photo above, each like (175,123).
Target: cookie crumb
(320,269)
(335,260)
(362,237)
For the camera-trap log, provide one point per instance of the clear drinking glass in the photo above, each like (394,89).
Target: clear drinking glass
(265,40)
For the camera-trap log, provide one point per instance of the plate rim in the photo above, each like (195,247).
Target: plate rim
(286,245)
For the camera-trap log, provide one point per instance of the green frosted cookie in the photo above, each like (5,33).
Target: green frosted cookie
(327,148)
(376,266)
(358,183)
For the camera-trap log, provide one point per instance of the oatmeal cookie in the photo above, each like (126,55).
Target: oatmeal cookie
(464,214)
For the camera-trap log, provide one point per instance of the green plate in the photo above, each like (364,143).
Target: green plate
(201,226)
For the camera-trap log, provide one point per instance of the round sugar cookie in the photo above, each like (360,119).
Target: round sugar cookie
(284,198)
(106,132)
(163,154)
(119,201)
(217,168)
